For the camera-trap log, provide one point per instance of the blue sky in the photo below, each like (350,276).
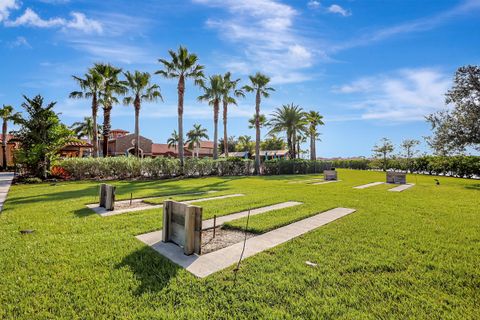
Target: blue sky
(372,68)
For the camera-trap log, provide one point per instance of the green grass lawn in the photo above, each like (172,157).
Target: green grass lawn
(414,254)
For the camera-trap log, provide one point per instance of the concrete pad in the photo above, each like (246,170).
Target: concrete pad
(214,198)
(105,213)
(5,183)
(368,185)
(402,187)
(306,181)
(154,237)
(325,182)
(204,265)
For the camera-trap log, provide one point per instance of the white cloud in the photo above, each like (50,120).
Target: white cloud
(32,19)
(266,38)
(78,22)
(335,8)
(405,95)
(19,42)
(6,6)
(81,22)
(313,4)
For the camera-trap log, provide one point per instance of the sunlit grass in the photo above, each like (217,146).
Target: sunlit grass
(413,254)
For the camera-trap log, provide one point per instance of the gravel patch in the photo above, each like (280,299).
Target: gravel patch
(223,238)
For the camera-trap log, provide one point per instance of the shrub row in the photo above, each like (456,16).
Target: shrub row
(156,168)
(149,168)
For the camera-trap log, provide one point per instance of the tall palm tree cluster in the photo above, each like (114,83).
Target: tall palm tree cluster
(297,125)
(104,87)
(104,84)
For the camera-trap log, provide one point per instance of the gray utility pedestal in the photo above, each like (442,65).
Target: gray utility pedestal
(107,196)
(182,224)
(396,177)
(329,175)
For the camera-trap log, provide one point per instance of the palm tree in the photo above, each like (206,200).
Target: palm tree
(111,86)
(172,142)
(213,92)
(183,65)
(262,121)
(258,85)
(7,114)
(91,86)
(314,119)
(245,144)
(138,83)
(195,136)
(230,92)
(291,119)
(85,128)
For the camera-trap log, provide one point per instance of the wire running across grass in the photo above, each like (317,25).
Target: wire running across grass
(243,250)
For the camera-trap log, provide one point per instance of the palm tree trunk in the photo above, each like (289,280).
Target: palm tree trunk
(294,144)
(181,92)
(106,129)
(215,129)
(257,133)
(4,145)
(95,127)
(313,154)
(225,136)
(137,126)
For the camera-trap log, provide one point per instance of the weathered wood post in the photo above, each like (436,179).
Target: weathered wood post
(182,224)
(329,175)
(396,177)
(107,196)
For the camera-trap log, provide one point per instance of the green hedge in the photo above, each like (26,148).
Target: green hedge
(156,168)
(458,166)
(151,168)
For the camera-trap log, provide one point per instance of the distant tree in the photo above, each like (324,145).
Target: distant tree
(258,85)
(383,151)
(457,129)
(85,129)
(273,143)
(7,114)
(314,119)
(138,83)
(290,119)
(231,143)
(182,66)
(262,121)
(230,92)
(409,151)
(213,93)
(91,86)
(245,144)
(195,136)
(301,138)
(172,142)
(41,136)
(112,87)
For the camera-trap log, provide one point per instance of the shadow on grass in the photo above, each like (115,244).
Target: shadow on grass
(473,186)
(124,188)
(152,270)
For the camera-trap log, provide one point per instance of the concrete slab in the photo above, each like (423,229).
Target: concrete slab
(105,213)
(368,185)
(154,237)
(204,265)
(306,181)
(5,183)
(402,187)
(325,182)
(214,198)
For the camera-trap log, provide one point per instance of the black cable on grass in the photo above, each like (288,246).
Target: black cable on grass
(243,250)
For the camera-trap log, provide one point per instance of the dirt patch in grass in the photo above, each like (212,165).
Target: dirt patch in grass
(224,237)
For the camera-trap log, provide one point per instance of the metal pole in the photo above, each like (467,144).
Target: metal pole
(214,224)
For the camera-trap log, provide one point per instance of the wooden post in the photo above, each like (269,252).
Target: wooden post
(189,246)
(214,224)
